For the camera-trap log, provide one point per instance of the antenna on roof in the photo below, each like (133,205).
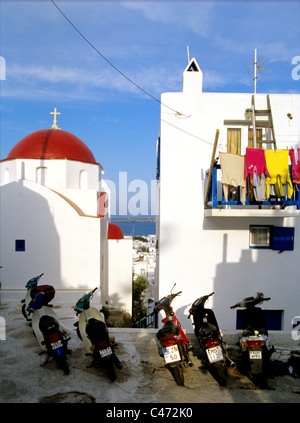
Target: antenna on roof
(188,53)
(257,67)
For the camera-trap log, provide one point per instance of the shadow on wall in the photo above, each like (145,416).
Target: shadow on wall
(30,243)
(256,271)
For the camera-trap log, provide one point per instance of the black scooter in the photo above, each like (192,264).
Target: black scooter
(212,348)
(255,344)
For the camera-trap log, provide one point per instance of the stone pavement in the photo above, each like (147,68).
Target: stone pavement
(143,379)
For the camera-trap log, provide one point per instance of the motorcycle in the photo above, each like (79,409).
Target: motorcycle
(213,351)
(47,330)
(92,330)
(255,344)
(175,344)
(33,290)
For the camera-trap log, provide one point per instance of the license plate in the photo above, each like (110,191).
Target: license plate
(214,354)
(105,352)
(55,345)
(171,354)
(255,355)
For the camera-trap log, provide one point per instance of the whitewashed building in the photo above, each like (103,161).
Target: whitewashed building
(206,244)
(54,219)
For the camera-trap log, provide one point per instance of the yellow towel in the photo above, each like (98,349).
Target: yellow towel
(277,162)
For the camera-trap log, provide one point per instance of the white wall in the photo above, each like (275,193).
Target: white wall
(212,254)
(58,241)
(120,273)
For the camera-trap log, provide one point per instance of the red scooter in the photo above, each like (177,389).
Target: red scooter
(174,342)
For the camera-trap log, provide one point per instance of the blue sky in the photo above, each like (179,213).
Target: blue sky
(48,64)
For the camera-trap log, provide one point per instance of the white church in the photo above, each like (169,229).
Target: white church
(212,236)
(55,219)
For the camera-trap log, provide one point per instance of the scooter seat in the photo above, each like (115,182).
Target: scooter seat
(96,330)
(168,329)
(48,324)
(251,332)
(208,330)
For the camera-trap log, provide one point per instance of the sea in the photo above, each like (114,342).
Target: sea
(136,227)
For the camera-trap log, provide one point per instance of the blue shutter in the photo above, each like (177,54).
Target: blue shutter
(282,238)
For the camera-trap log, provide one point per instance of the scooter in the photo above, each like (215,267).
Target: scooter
(33,290)
(47,330)
(213,351)
(255,343)
(175,344)
(92,330)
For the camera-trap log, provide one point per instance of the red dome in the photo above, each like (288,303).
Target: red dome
(51,144)
(114,231)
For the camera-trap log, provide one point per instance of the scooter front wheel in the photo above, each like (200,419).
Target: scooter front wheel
(62,362)
(177,373)
(111,370)
(25,313)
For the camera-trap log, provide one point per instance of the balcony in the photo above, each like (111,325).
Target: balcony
(216,205)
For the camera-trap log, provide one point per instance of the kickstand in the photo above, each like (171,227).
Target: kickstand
(117,362)
(46,361)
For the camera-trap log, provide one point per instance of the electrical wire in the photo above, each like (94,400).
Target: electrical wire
(112,65)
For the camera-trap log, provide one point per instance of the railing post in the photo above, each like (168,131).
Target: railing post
(214,188)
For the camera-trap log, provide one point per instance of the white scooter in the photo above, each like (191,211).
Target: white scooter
(51,337)
(92,330)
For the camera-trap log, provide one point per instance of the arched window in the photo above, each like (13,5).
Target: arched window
(41,175)
(83,179)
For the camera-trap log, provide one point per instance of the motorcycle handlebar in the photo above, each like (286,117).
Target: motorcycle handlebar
(255,301)
(165,302)
(84,301)
(199,303)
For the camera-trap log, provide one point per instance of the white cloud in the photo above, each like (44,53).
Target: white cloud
(195,16)
(32,80)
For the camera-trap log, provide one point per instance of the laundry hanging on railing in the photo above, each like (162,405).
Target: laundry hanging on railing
(277,162)
(233,168)
(256,172)
(295,166)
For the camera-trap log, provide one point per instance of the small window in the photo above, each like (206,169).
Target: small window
(20,245)
(280,238)
(260,237)
(234,140)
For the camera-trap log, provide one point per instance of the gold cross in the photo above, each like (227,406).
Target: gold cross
(55,113)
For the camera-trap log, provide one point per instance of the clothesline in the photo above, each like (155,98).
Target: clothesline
(261,174)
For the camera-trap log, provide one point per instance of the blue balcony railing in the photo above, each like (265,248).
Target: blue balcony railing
(217,199)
